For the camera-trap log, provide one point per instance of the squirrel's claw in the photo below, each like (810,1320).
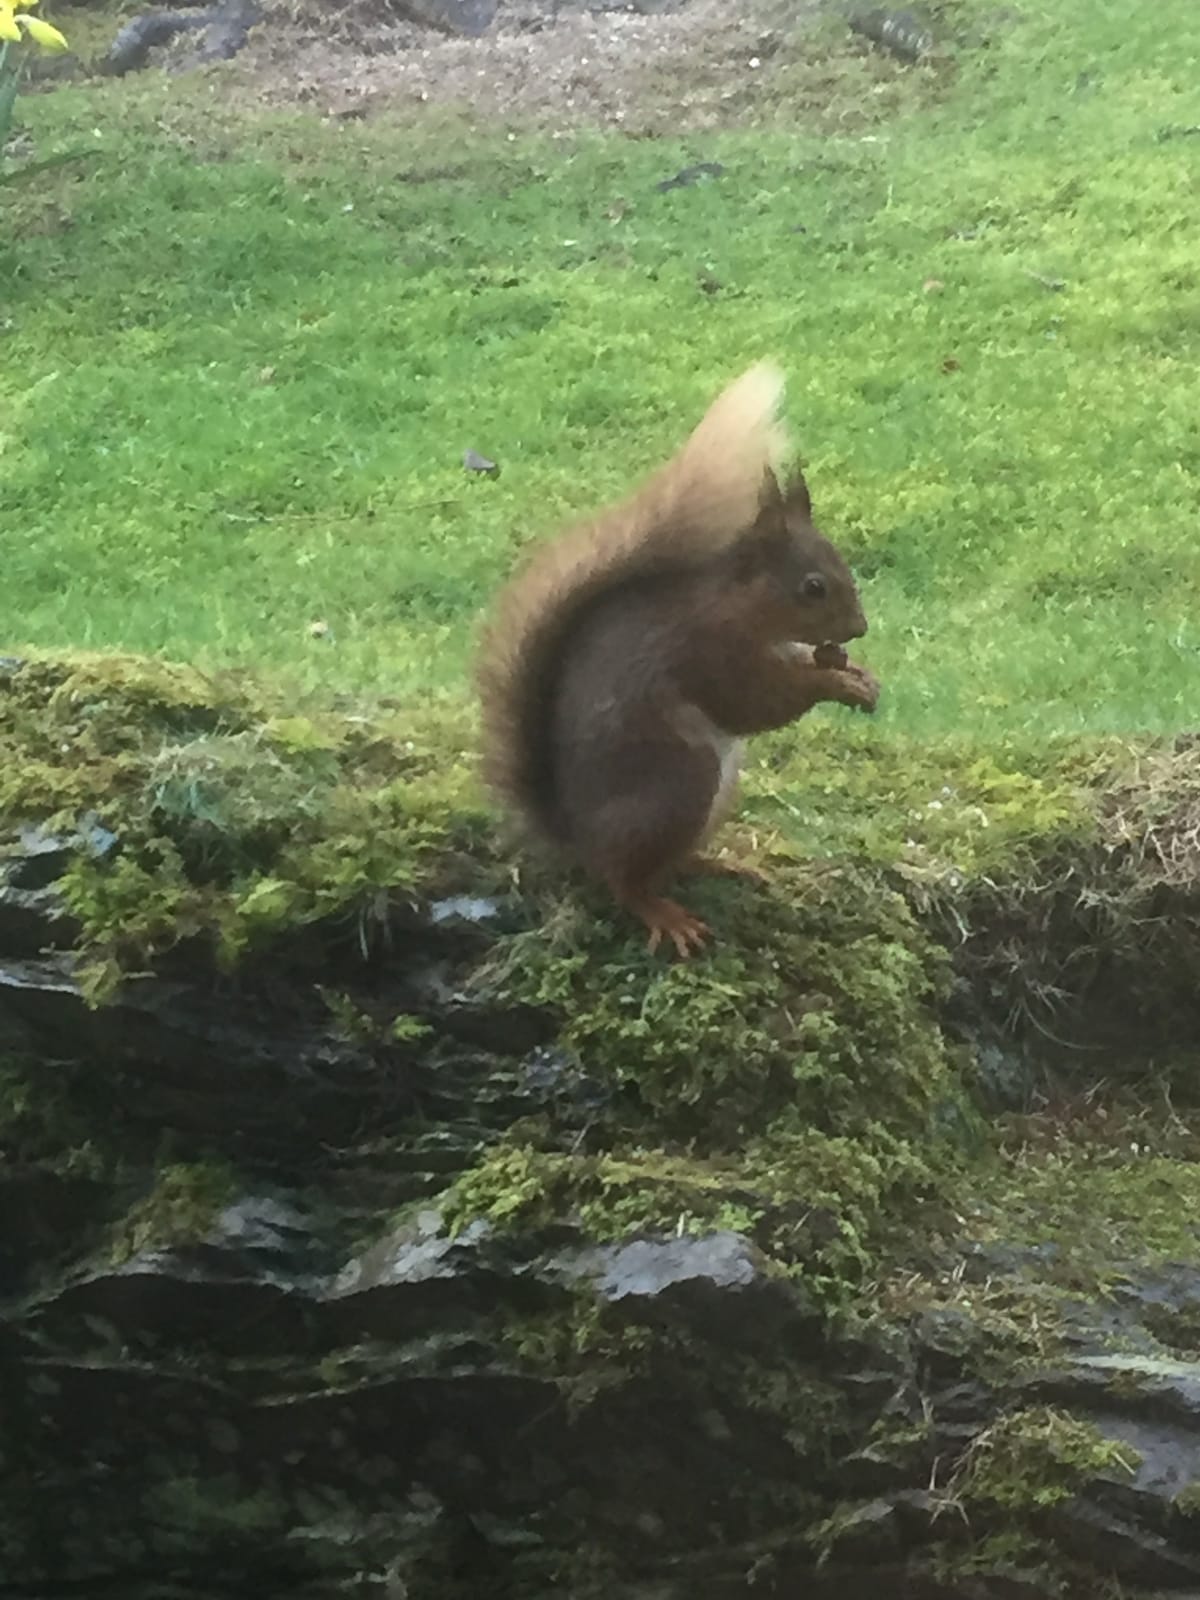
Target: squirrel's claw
(665,918)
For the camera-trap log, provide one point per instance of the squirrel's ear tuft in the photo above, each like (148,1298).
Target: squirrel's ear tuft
(767,532)
(771,521)
(796,497)
(773,529)
(770,496)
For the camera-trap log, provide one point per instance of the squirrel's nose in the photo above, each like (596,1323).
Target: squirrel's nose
(859,627)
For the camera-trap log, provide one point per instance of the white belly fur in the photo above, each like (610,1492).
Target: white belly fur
(699,729)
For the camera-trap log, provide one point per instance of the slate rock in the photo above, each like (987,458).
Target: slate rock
(468,18)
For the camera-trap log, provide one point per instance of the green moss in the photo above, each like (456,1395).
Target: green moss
(793,1085)
(585,1346)
(592,1350)
(360,1027)
(1187,1501)
(1031,1460)
(180,1208)
(817,999)
(188,1513)
(817,1205)
(1000,1328)
(806,1199)
(1020,1554)
(1103,1207)
(610,1196)
(815,1414)
(228,802)
(132,911)
(48,1119)
(942,811)
(235,815)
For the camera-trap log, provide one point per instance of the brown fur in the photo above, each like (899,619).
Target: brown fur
(625,658)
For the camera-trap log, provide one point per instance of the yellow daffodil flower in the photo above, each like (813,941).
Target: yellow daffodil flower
(17,28)
(44,34)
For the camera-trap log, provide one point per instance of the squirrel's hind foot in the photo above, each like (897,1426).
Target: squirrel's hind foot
(666,919)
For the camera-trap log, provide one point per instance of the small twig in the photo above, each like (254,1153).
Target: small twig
(1046,282)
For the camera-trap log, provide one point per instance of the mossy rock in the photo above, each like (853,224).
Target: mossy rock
(810,1079)
(237,815)
(816,1088)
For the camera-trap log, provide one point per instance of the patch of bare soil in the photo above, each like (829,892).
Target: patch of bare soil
(712,62)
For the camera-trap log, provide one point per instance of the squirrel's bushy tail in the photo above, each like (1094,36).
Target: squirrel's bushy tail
(688,511)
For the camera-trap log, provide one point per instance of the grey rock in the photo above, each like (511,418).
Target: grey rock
(869,1533)
(646,1268)
(1123,1548)
(903,33)
(470,18)
(33,921)
(873,1471)
(417,1253)
(645,8)
(1151,1384)
(465,908)
(720,1279)
(328,1391)
(132,46)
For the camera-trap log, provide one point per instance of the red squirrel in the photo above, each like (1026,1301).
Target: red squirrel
(624,664)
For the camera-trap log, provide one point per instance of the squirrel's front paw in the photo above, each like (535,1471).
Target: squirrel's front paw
(861,688)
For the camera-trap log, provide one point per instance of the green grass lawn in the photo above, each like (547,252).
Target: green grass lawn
(241,355)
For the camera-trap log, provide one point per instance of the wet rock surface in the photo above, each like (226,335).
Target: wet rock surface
(467,17)
(301,1398)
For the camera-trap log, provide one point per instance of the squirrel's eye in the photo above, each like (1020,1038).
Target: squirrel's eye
(814,587)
